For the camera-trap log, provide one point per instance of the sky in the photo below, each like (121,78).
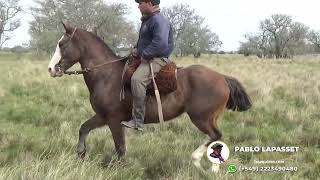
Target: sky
(229,19)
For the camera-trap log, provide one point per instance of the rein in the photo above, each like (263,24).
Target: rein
(86,70)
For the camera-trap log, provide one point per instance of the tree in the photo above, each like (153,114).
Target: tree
(277,29)
(180,16)
(257,44)
(9,10)
(107,21)
(296,41)
(278,36)
(197,39)
(314,37)
(191,35)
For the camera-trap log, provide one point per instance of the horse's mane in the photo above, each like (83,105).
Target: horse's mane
(101,42)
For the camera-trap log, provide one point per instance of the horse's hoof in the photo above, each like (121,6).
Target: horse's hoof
(82,154)
(81,151)
(215,168)
(197,164)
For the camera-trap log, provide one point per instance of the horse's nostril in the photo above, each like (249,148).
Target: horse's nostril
(49,69)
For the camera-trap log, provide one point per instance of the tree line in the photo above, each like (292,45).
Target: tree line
(278,36)
(108,22)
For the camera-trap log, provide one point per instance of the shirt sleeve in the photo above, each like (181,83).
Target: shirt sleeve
(159,43)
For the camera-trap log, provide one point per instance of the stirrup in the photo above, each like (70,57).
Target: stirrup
(134,126)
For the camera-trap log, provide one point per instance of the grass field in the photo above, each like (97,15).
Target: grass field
(40,118)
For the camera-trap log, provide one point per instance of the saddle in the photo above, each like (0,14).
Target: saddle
(166,78)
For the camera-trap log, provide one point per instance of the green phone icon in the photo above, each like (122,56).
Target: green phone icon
(232,168)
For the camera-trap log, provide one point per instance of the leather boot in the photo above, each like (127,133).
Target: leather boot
(138,113)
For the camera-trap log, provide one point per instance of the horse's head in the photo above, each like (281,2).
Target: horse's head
(67,52)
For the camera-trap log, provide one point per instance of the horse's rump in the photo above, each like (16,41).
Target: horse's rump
(166,78)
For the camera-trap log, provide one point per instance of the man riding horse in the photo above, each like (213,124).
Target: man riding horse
(201,92)
(154,46)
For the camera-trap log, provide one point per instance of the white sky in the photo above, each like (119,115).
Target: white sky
(230,19)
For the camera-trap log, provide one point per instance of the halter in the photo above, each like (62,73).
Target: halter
(72,33)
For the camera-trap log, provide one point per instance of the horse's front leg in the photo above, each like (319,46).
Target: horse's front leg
(118,135)
(94,122)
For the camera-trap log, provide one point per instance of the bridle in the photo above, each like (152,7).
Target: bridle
(87,69)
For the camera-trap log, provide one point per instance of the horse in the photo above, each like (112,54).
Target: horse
(201,92)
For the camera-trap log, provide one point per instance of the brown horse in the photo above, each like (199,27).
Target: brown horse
(202,92)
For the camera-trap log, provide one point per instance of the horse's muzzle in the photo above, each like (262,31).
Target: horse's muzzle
(56,72)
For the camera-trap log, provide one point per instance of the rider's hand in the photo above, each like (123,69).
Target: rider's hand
(134,53)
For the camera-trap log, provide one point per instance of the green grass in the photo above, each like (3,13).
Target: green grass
(40,118)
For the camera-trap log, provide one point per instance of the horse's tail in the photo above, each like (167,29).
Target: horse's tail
(238,97)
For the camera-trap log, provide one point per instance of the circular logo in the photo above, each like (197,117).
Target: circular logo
(232,168)
(218,152)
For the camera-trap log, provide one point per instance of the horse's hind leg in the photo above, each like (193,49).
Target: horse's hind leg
(208,126)
(94,122)
(203,126)
(198,154)
(214,132)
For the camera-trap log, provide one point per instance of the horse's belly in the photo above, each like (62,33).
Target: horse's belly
(170,107)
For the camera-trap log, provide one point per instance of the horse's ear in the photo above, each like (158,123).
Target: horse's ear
(93,29)
(68,28)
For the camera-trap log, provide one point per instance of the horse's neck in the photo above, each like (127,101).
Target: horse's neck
(97,62)
(107,74)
